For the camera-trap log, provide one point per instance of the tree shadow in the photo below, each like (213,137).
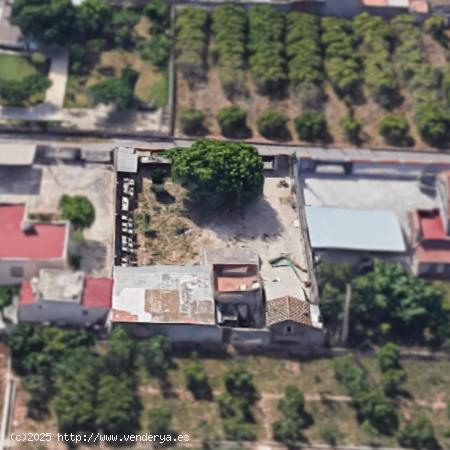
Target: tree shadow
(258,221)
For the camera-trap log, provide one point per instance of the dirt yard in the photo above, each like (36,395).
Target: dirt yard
(177,232)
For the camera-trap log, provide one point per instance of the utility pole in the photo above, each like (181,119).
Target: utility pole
(346,318)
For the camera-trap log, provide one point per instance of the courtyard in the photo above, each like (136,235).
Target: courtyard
(172,230)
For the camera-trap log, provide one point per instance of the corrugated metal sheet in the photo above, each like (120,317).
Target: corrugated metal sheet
(354,229)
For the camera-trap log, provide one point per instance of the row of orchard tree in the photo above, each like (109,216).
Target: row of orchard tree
(295,52)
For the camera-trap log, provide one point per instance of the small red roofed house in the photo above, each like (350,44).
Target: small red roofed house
(27,246)
(430,233)
(62,297)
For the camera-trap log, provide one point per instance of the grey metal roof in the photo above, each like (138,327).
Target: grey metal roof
(354,229)
(126,160)
(163,294)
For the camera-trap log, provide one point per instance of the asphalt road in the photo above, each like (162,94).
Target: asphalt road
(264,149)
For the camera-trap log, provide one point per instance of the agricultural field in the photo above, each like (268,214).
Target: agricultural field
(191,393)
(293,77)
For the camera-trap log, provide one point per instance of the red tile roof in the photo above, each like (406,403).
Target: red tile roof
(97,293)
(431,225)
(46,241)
(26,294)
(433,244)
(431,253)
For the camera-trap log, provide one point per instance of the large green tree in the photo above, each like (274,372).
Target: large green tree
(47,21)
(220,174)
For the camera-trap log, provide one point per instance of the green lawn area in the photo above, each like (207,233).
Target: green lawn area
(14,67)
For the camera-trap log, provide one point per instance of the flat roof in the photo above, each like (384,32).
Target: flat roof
(163,294)
(38,241)
(126,160)
(354,229)
(12,154)
(60,285)
(96,293)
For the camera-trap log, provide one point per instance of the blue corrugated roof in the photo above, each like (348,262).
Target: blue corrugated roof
(354,229)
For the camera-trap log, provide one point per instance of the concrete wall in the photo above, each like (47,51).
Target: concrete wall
(177,333)
(443,201)
(62,313)
(294,332)
(30,268)
(249,336)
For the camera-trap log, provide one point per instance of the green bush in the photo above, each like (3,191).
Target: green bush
(436,26)
(39,60)
(197,381)
(272,125)
(341,63)
(78,210)
(265,43)
(159,12)
(375,35)
(395,129)
(303,50)
(311,126)
(295,419)
(232,120)
(418,434)
(159,421)
(191,42)
(433,122)
(229,27)
(156,50)
(352,128)
(191,121)
(370,405)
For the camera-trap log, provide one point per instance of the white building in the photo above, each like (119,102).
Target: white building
(63,298)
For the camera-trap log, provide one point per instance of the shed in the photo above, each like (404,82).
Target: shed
(126,160)
(354,230)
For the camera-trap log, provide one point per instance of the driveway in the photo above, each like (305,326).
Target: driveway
(58,75)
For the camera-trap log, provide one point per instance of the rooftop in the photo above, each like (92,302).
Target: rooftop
(431,225)
(231,256)
(163,294)
(30,240)
(354,229)
(60,285)
(287,308)
(89,292)
(126,160)
(12,154)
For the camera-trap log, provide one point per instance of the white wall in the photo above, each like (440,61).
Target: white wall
(61,313)
(31,269)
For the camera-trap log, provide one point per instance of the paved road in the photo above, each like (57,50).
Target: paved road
(264,149)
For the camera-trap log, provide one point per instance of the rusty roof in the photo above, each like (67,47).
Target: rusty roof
(288,308)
